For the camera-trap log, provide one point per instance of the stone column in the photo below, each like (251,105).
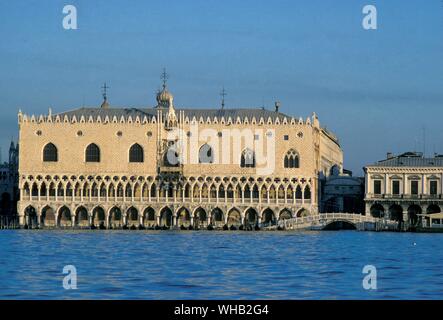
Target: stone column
(73,220)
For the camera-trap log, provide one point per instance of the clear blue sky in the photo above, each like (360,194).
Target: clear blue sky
(376,90)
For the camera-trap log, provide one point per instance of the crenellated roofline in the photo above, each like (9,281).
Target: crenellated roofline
(150,115)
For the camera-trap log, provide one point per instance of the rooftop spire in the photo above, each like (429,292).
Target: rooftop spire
(223,94)
(164,76)
(105,103)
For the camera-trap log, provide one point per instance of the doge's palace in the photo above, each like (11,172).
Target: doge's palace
(168,166)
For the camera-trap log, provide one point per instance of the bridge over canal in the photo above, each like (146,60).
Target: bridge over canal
(335,221)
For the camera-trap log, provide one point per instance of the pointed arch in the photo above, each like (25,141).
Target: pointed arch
(285,214)
(200,218)
(149,217)
(115,219)
(292,159)
(268,217)
(307,193)
(183,217)
(98,217)
(47,218)
(81,217)
(64,217)
(298,193)
(132,217)
(251,217)
(136,153)
(217,217)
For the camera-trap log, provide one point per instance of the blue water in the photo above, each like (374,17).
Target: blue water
(219,265)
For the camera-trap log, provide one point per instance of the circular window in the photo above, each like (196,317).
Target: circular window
(119,134)
(38,132)
(220,134)
(300,134)
(149,134)
(79,133)
(189,133)
(269,134)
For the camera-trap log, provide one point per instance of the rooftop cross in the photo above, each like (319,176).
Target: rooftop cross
(223,94)
(164,77)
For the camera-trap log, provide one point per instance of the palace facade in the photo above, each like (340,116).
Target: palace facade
(405,188)
(168,166)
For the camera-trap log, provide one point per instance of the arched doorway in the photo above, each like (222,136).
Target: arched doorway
(149,218)
(115,218)
(217,218)
(251,218)
(31,217)
(183,217)
(285,214)
(98,217)
(234,218)
(81,217)
(433,208)
(413,212)
(64,217)
(268,217)
(166,217)
(47,218)
(396,212)
(377,210)
(200,218)
(302,213)
(132,217)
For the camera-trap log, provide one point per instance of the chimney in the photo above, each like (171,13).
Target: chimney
(389,155)
(277,105)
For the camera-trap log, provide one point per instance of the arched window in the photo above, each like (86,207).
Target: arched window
(292,159)
(136,153)
(247,159)
(50,153)
(206,154)
(92,153)
(307,193)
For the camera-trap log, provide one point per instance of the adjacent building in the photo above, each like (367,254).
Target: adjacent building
(405,187)
(9,183)
(171,166)
(343,193)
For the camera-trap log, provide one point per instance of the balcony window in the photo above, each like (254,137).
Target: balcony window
(433,187)
(377,186)
(396,187)
(414,187)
